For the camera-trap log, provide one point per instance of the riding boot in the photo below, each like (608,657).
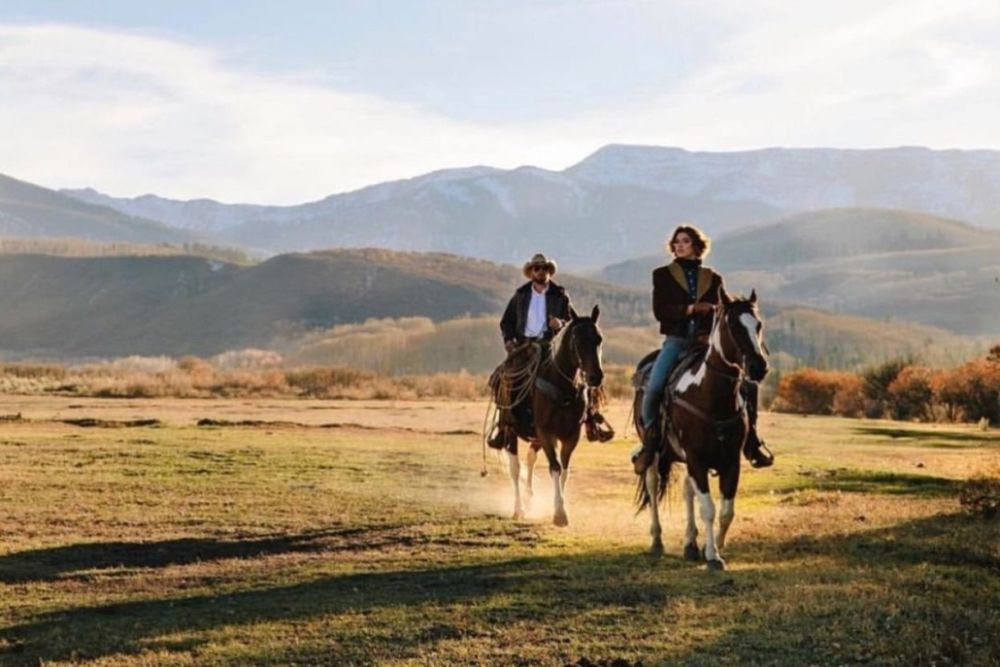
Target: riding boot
(754,448)
(498,439)
(756,452)
(650,444)
(500,435)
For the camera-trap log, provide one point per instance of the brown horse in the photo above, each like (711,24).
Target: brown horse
(558,402)
(706,428)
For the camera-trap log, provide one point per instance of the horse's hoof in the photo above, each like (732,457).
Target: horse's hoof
(716,565)
(560,519)
(657,549)
(518,515)
(692,552)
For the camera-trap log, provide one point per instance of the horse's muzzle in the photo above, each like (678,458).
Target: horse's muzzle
(757,369)
(595,379)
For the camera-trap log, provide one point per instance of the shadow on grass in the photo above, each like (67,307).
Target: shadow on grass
(64,561)
(541,585)
(907,593)
(895,484)
(81,560)
(930,438)
(919,592)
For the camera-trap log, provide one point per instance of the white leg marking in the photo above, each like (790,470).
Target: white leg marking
(559,516)
(691,534)
(514,467)
(557,485)
(707,507)
(529,476)
(726,514)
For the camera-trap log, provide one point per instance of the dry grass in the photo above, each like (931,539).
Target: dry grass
(380,544)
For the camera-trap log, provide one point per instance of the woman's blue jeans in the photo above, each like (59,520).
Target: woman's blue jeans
(665,362)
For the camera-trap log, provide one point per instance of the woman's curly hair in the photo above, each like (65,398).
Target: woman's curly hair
(699,239)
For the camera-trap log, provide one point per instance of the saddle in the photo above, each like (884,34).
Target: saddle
(515,381)
(688,359)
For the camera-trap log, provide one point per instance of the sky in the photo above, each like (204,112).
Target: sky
(281,103)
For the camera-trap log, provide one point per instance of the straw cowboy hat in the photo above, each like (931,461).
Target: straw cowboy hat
(539,260)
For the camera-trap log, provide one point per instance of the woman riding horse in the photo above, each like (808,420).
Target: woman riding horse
(685,298)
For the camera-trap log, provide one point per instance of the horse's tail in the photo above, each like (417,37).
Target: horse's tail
(642,498)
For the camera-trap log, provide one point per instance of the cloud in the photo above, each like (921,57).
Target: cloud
(131,113)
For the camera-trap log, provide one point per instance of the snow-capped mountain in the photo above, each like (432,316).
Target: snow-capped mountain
(618,203)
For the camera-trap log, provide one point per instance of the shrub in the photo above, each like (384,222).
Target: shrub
(849,400)
(876,386)
(971,391)
(809,391)
(911,394)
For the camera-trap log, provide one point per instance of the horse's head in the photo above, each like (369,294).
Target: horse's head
(585,340)
(742,321)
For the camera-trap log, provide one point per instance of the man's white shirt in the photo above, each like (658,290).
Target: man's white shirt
(537,323)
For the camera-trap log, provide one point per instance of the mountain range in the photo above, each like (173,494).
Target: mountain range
(610,207)
(28,210)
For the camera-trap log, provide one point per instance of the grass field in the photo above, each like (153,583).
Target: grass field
(362,533)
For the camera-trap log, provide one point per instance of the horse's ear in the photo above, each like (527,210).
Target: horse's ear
(572,315)
(596,313)
(753,295)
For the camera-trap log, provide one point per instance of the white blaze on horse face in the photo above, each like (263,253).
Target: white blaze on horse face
(749,323)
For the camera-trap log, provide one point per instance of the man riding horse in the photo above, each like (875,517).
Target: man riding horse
(685,298)
(535,314)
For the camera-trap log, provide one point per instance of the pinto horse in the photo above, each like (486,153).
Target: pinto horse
(706,428)
(558,402)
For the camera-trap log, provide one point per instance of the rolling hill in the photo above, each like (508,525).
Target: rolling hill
(870,262)
(30,210)
(395,312)
(113,306)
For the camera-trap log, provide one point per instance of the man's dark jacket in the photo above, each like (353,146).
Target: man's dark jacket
(671,299)
(516,315)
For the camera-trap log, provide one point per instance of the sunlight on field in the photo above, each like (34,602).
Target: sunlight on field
(337,532)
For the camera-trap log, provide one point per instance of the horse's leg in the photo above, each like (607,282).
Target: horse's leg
(652,482)
(707,507)
(514,467)
(565,454)
(529,478)
(559,518)
(691,551)
(728,483)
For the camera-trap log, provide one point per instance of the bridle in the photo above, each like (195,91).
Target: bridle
(730,371)
(574,349)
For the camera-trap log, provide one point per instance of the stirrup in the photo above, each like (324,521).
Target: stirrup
(497,439)
(762,458)
(598,429)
